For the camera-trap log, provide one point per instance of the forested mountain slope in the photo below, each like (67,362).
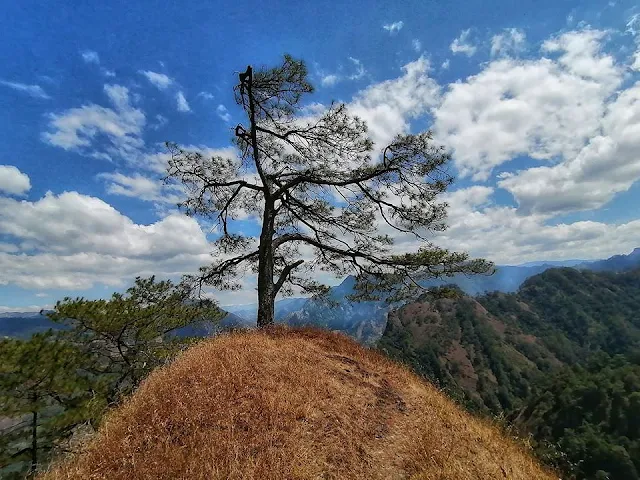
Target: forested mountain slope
(560,358)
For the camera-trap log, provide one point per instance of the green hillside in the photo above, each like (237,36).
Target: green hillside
(559,359)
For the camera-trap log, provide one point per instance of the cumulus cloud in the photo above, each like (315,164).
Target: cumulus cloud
(462,44)
(388,107)
(544,108)
(89,56)
(78,128)
(181,102)
(417,45)
(13,181)
(159,80)
(141,187)
(607,165)
(517,238)
(510,42)
(72,240)
(394,27)
(35,91)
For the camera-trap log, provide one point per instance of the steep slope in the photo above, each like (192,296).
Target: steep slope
(293,404)
(575,313)
(560,359)
(482,361)
(365,321)
(486,351)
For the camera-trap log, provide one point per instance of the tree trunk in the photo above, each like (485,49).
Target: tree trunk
(266,287)
(34,444)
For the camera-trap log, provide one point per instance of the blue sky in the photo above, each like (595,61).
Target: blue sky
(538,102)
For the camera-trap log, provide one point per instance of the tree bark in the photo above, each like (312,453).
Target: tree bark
(266,287)
(34,444)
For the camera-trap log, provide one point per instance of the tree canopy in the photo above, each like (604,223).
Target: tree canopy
(43,398)
(53,382)
(326,196)
(128,335)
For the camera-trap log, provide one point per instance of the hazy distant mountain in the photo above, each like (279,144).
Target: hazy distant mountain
(555,263)
(366,321)
(24,324)
(617,263)
(282,308)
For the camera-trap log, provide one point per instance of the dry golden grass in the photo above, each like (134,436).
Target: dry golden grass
(293,404)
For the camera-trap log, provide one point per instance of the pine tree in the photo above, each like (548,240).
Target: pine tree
(316,184)
(43,395)
(130,334)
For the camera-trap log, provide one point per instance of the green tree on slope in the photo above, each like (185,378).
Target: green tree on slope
(127,336)
(43,396)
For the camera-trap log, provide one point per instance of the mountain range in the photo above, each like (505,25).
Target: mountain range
(365,321)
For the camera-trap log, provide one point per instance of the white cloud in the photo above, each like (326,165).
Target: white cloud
(417,45)
(142,187)
(394,27)
(159,80)
(35,91)
(633,25)
(510,42)
(78,128)
(160,121)
(329,80)
(223,113)
(636,61)
(182,104)
(28,308)
(608,164)
(542,108)
(360,71)
(108,73)
(580,55)
(206,95)
(13,181)
(89,56)
(157,162)
(517,238)
(8,247)
(446,64)
(462,44)
(389,106)
(74,241)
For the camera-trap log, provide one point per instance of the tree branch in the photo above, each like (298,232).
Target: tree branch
(285,273)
